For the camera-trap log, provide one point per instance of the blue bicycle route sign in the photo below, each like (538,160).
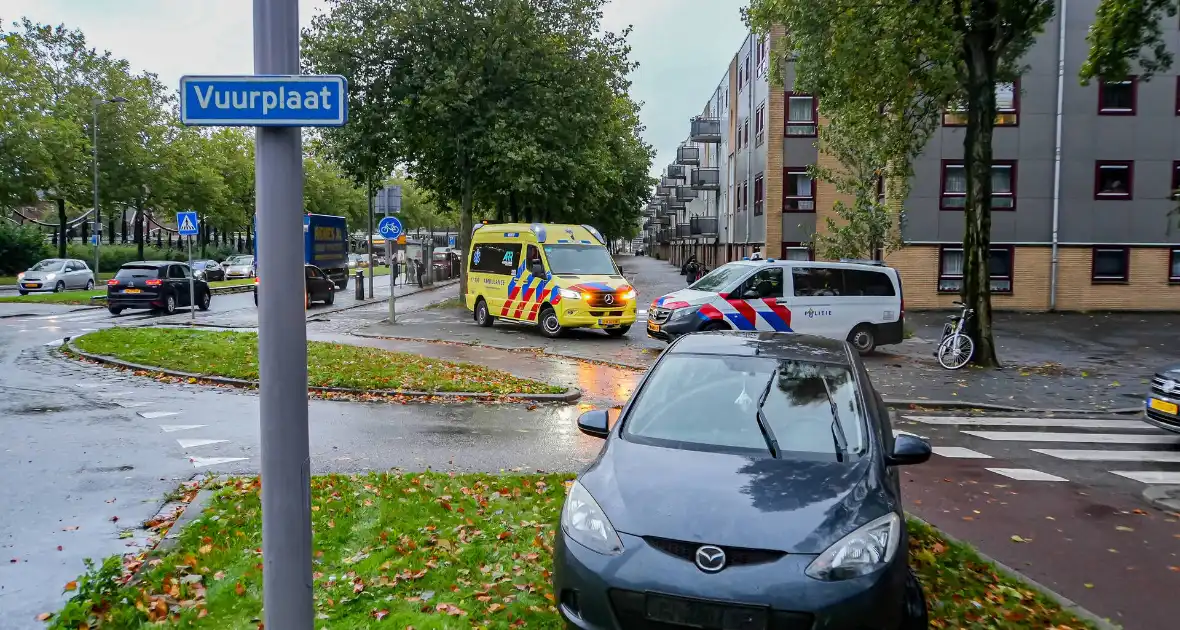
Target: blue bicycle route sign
(264,101)
(390,227)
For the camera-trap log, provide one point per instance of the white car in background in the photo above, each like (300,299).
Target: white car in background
(56,275)
(239,267)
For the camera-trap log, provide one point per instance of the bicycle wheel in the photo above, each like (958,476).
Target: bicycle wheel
(954,352)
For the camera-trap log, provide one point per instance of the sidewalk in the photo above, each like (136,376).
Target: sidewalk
(1113,555)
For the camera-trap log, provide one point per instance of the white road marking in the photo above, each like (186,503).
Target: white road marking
(897,432)
(131,404)
(169,428)
(1026,474)
(1081,438)
(55,342)
(201,462)
(88,385)
(187,444)
(1111,456)
(958,452)
(152,415)
(1149,476)
(1077,423)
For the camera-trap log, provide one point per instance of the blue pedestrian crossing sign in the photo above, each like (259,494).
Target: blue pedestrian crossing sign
(186,223)
(390,227)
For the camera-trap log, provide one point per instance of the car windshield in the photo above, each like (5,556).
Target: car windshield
(242,260)
(136,273)
(720,277)
(710,402)
(588,260)
(52,264)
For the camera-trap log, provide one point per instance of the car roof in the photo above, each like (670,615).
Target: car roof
(150,263)
(775,345)
(846,264)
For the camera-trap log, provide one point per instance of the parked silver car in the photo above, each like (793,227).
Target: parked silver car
(240,267)
(56,275)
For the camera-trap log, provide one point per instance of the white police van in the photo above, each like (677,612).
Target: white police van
(860,301)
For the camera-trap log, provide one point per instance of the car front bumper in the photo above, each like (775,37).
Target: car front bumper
(41,286)
(596,318)
(675,326)
(1162,411)
(599,592)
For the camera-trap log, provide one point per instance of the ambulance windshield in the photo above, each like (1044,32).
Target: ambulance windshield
(582,260)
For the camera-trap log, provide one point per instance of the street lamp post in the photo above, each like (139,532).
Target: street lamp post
(94,163)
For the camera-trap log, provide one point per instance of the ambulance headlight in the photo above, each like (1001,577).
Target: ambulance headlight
(570,295)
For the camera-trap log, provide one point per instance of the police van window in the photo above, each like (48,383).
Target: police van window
(862,282)
(497,258)
(817,281)
(765,283)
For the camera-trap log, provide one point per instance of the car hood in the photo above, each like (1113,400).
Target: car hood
(678,299)
(40,275)
(733,500)
(575,282)
(1169,371)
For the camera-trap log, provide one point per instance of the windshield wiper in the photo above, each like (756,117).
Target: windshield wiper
(838,437)
(763,423)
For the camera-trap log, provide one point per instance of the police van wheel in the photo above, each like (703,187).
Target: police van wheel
(549,323)
(863,339)
(711,326)
(482,316)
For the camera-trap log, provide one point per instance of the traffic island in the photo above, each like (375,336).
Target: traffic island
(334,370)
(431,550)
(91,298)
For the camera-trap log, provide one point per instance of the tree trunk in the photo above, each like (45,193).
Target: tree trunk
(61,228)
(139,229)
(513,207)
(249,238)
(85,232)
(203,234)
(465,227)
(500,209)
(123,226)
(977,151)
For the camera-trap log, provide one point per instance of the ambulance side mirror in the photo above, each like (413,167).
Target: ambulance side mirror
(538,269)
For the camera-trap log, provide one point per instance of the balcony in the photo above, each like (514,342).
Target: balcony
(676,204)
(664,220)
(685,193)
(690,156)
(669,182)
(703,226)
(705,179)
(706,130)
(676,172)
(665,191)
(684,230)
(663,237)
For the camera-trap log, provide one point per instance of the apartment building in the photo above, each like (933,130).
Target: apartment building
(1086,172)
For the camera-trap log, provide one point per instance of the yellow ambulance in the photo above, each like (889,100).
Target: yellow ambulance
(554,276)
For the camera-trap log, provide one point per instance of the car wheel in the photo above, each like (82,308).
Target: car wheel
(331,298)
(22,292)
(714,326)
(863,339)
(618,332)
(550,325)
(205,299)
(170,305)
(59,287)
(255,298)
(915,615)
(115,310)
(306,300)
(482,316)
(89,285)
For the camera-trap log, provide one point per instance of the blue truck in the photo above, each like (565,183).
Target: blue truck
(325,245)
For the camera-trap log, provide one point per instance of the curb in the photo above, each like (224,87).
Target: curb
(963,404)
(1059,599)
(570,395)
(520,349)
(1166,498)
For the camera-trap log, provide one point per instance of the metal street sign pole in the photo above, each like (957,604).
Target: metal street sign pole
(192,295)
(282,340)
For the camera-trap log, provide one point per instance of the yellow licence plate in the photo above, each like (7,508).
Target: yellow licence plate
(609,322)
(1164,406)
(33,285)
(132,291)
(654,327)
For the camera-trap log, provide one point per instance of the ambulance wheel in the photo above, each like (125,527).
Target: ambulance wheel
(618,332)
(863,339)
(482,316)
(550,325)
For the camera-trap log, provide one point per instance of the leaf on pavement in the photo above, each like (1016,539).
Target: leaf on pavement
(71,586)
(1019,539)
(1124,528)
(44,616)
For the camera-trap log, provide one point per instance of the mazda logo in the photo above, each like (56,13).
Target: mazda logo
(710,559)
(609,299)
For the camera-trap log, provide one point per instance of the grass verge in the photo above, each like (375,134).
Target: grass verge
(83,297)
(443,551)
(235,355)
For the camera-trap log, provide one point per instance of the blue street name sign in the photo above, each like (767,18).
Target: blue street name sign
(186,223)
(390,227)
(264,101)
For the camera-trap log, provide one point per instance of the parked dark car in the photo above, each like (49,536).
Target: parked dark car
(750,482)
(318,287)
(208,270)
(156,285)
(1162,407)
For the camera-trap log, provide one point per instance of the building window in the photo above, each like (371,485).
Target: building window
(801,115)
(1113,179)
(954,185)
(797,251)
(762,56)
(1007,108)
(1175,194)
(760,125)
(1178,96)
(999,263)
(758,195)
(1174,266)
(1117,98)
(798,191)
(743,198)
(1110,264)
(745,139)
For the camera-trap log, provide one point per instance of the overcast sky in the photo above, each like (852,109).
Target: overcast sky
(682,46)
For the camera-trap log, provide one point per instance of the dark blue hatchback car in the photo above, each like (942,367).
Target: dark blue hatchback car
(750,483)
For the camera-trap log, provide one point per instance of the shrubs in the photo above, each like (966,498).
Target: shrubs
(111,257)
(20,247)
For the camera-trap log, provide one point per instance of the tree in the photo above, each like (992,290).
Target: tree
(922,52)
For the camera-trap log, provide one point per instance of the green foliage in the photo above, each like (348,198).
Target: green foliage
(96,590)
(20,247)
(1127,32)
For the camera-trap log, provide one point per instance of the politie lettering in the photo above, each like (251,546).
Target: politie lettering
(280,98)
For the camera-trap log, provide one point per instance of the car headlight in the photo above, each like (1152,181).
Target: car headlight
(683,313)
(862,552)
(20,276)
(50,276)
(586,523)
(630,295)
(570,295)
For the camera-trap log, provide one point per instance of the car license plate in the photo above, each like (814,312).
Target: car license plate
(652,326)
(132,291)
(608,322)
(33,285)
(686,612)
(1164,406)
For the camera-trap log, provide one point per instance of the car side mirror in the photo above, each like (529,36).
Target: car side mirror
(594,423)
(908,450)
(538,269)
